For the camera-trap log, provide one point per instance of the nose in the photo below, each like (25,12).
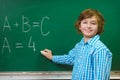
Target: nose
(88,25)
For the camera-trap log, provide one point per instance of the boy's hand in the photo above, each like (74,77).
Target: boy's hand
(47,53)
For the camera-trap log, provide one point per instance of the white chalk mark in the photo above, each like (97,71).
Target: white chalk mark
(26,27)
(43,19)
(6,24)
(36,24)
(31,44)
(16,24)
(6,45)
(19,45)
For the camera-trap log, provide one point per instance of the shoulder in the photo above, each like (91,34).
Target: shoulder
(99,44)
(81,42)
(101,47)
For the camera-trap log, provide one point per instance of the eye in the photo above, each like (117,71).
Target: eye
(93,23)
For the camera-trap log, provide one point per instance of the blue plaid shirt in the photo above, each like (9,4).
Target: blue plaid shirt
(90,60)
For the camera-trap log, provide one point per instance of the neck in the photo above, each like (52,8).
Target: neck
(86,39)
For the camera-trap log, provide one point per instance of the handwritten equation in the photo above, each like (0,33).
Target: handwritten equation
(26,26)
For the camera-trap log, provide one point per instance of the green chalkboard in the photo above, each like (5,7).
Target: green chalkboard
(28,26)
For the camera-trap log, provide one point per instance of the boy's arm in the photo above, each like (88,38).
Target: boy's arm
(102,65)
(65,59)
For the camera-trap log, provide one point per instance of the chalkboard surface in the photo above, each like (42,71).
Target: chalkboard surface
(28,26)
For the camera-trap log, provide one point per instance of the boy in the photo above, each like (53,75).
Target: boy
(90,58)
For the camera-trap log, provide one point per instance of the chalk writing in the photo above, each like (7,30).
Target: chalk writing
(31,44)
(6,24)
(19,45)
(26,26)
(6,45)
(44,34)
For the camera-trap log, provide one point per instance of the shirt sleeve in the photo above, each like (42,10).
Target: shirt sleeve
(102,65)
(65,59)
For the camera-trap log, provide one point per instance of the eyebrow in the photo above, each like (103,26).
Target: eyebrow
(93,21)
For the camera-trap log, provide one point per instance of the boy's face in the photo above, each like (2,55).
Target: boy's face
(89,27)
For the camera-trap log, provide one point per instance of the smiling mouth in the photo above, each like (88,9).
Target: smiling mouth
(88,31)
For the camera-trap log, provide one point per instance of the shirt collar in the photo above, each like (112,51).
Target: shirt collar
(92,40)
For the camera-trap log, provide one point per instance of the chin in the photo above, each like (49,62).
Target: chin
(90,36)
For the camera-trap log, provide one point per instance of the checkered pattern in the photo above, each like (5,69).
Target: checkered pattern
(90,60)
